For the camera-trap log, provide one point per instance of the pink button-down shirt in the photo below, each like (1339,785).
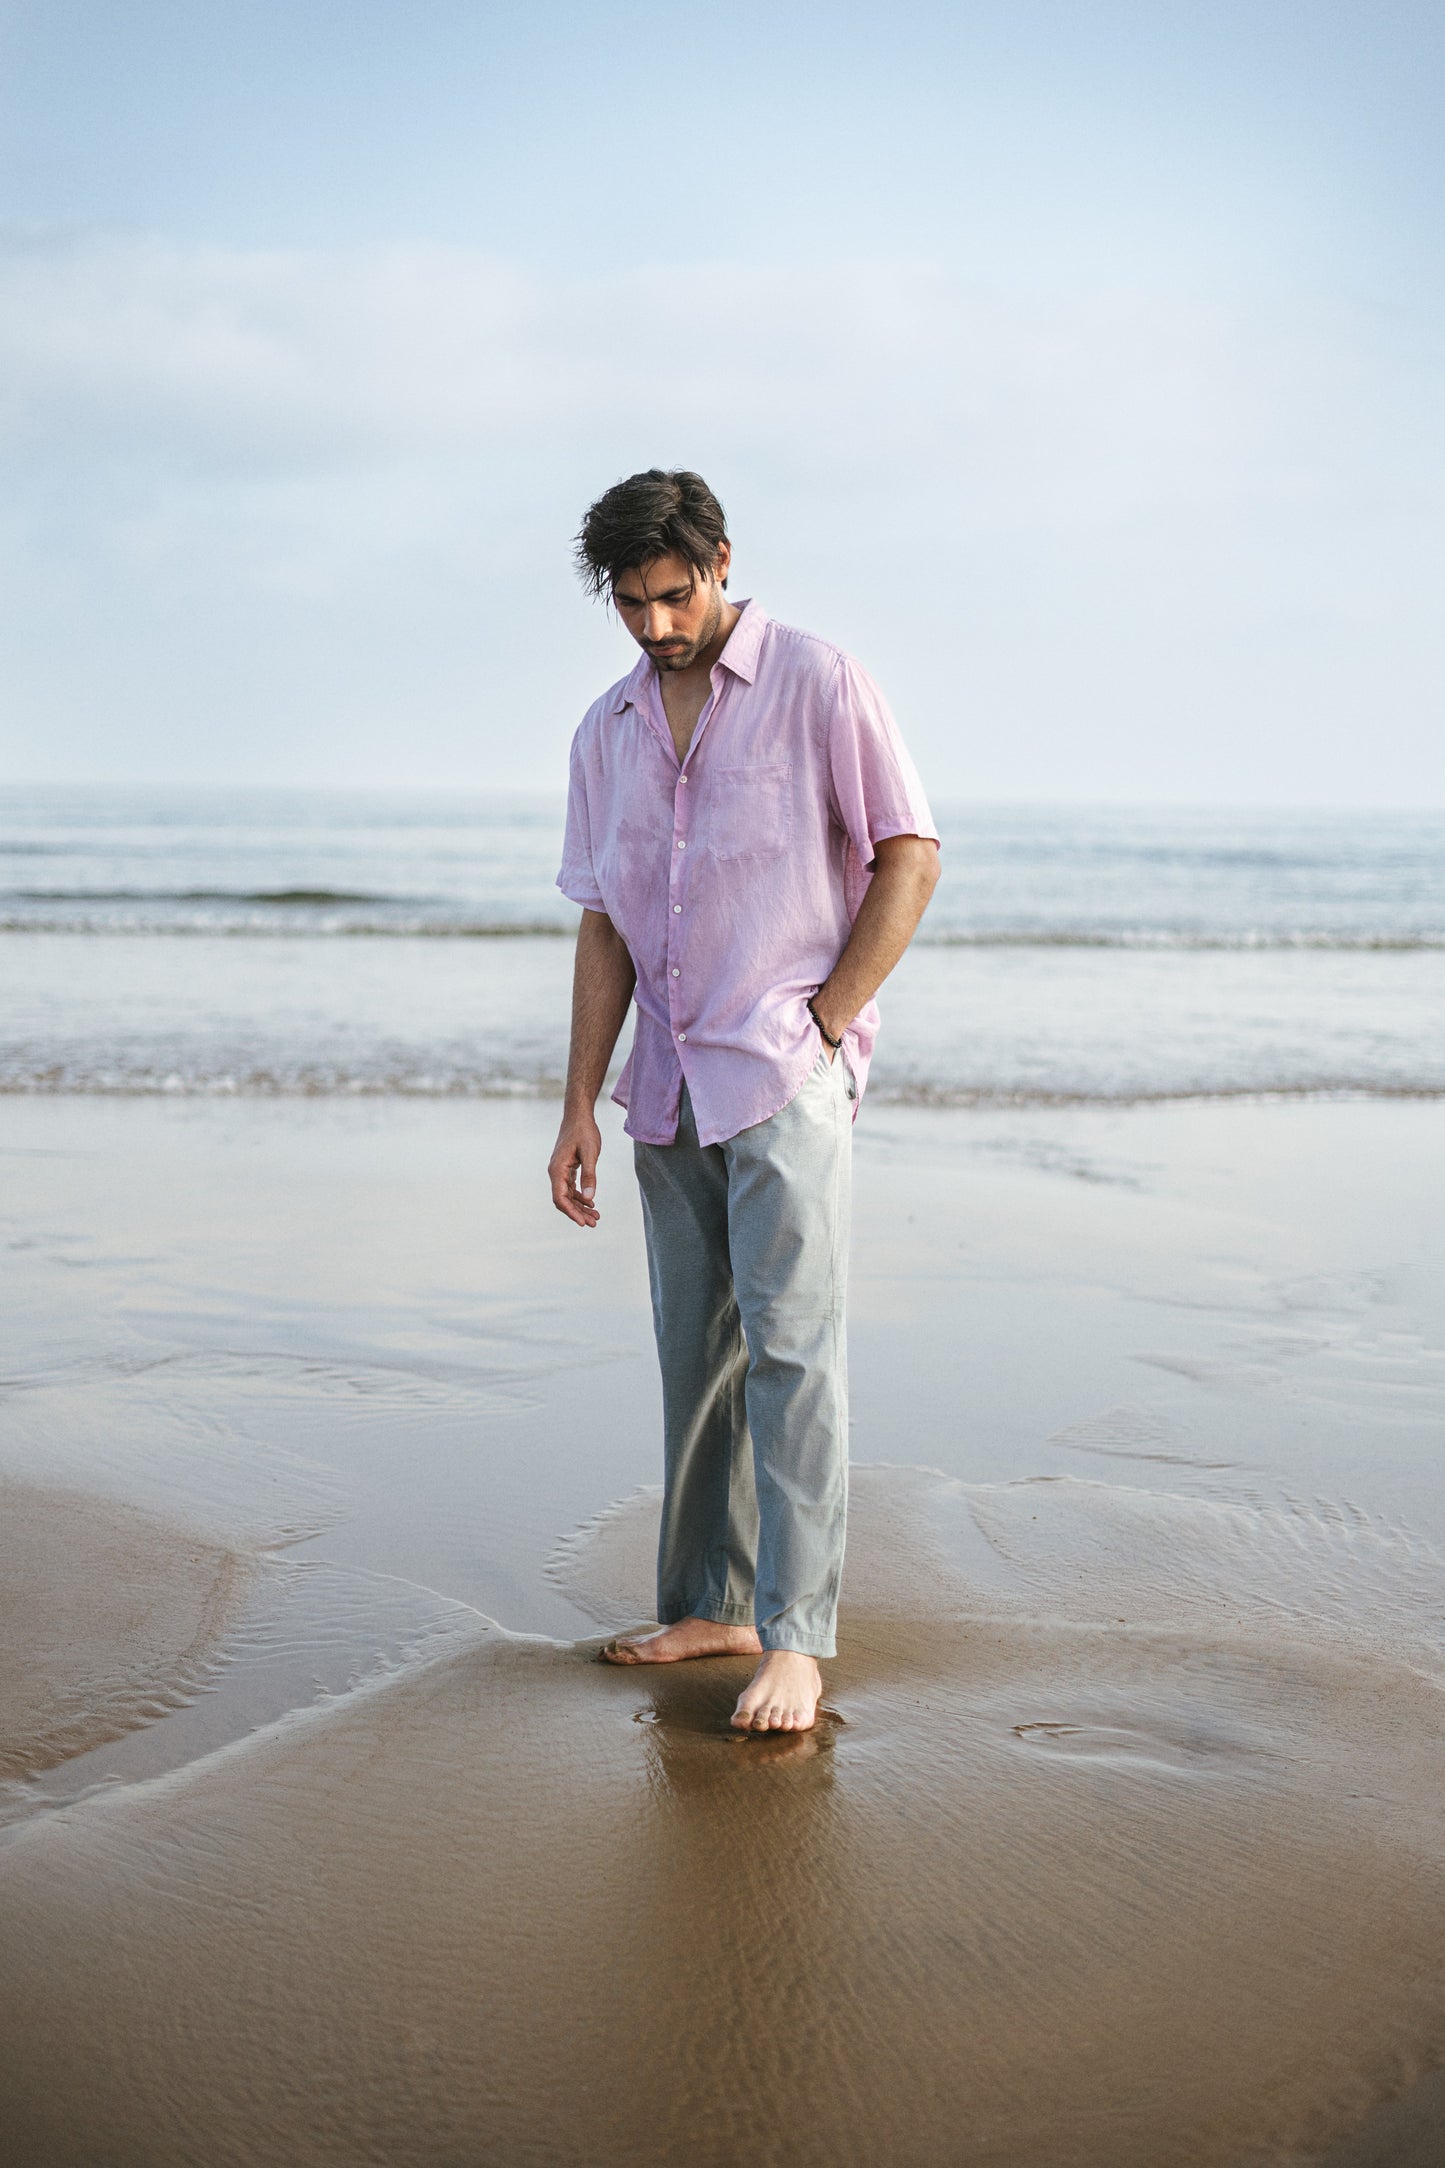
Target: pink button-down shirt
(734,876)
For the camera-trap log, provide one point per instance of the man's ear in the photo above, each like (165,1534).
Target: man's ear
(721,563)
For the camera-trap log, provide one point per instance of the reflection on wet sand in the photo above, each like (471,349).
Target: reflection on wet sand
(1121,1849)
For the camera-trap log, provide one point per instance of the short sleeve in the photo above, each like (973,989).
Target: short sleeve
(876,790)
(577,879)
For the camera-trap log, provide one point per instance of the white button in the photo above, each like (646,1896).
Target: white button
(682,779)
(681,843)
(682,1035)
(675,972)
(677,907)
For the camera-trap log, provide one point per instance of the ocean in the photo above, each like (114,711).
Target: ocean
(298,942)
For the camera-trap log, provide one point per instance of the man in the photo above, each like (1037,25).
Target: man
(752,851)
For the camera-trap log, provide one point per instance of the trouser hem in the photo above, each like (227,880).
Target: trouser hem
(721,1614)
(779,1638)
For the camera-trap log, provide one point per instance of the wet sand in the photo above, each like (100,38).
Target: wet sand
(1121,1842)
(108,1619)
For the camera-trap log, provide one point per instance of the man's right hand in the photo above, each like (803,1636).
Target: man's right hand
(572,1169)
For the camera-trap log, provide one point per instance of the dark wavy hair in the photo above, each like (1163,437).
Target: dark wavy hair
(654,514)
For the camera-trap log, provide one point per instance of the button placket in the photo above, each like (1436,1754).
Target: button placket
(679,820)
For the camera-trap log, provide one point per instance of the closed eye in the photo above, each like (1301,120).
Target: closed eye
(640,602)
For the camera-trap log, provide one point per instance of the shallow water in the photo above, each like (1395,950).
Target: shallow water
(302,943)
(244,1015)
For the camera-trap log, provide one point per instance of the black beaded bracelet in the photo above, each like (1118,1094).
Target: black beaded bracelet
(835,1043)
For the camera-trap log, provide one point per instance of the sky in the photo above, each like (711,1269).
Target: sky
(1079,367)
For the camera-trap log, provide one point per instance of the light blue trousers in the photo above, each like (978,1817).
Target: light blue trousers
(747,1250)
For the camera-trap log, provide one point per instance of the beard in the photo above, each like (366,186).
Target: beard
(687,656)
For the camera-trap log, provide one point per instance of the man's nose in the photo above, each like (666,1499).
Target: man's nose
(657,622)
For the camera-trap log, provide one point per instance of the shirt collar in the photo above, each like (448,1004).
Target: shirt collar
(745,642)
(740,655)
(633,687)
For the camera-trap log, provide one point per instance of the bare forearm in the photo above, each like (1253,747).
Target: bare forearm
(904,879)
(602,982)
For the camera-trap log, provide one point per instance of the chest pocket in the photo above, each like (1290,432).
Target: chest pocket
(751,815)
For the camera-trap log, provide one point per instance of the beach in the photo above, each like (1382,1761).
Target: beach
(330,1456)
(974,665)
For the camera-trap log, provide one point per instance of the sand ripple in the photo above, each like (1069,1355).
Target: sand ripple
(109,1619)
(1122,1848)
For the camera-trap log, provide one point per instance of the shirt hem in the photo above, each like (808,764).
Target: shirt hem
(786,1101)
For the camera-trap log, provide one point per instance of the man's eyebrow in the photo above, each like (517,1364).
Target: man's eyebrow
(669,594)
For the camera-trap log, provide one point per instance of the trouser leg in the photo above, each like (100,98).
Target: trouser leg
(788,1203)
(709,1533)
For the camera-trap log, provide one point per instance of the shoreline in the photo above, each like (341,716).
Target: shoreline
(413,1014)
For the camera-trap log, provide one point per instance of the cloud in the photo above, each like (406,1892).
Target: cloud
(298,451)
(202,360)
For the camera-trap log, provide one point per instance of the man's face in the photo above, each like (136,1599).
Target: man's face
(670,609)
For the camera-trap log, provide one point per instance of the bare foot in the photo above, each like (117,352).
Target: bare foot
(783,1696)
(689,1637)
